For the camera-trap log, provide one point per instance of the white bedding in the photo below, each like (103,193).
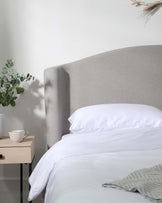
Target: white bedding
(76,167)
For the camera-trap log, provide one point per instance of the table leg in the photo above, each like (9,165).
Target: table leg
(21,183)
(30,171)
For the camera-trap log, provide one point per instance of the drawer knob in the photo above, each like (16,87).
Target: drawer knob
(1,156)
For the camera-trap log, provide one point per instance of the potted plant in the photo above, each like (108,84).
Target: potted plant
(10,87)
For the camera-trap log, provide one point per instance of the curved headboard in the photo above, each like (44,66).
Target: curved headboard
(129,75)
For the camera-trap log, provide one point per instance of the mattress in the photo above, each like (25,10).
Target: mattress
(75,168)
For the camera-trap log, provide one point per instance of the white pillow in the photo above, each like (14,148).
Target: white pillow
(103,117)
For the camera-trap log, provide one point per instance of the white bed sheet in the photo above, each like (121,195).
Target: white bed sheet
(79,179)
(75,168)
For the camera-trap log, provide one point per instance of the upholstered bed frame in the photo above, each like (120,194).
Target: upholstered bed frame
(129,75)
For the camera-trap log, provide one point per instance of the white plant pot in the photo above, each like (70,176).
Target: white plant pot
(1,125)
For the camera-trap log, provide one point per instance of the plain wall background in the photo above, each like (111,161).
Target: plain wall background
(41,33)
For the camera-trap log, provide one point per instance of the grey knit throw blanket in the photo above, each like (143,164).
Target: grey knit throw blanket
(147,181)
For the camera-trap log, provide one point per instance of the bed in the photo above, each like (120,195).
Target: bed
(77,164)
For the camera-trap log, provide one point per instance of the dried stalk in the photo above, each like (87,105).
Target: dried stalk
(151,6)
(136,3)
(148,7)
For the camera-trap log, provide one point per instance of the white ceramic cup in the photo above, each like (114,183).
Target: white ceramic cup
(17,135)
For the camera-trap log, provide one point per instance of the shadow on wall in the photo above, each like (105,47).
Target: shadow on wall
(26,115)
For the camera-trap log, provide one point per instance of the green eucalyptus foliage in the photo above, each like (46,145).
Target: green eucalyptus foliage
(10,84)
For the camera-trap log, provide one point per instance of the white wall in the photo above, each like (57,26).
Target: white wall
(42,33)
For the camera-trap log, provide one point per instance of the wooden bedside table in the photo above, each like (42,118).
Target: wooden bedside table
(18,153)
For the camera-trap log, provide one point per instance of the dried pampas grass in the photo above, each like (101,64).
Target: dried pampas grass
(149,8)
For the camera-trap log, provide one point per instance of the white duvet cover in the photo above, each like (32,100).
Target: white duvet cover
(76,167)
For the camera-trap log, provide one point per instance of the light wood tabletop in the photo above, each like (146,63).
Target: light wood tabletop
(7,142)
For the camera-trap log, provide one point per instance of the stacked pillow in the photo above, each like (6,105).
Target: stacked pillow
(105,117)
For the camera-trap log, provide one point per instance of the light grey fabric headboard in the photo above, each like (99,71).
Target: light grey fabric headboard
(129,75)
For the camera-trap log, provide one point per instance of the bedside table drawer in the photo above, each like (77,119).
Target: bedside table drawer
(15,155)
